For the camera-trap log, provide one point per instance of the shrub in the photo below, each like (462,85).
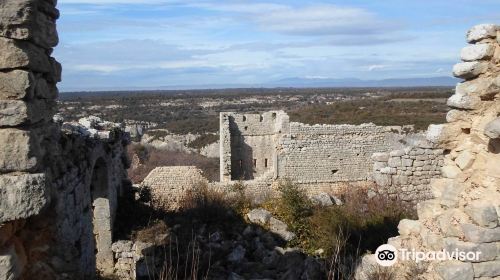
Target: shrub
(203,140)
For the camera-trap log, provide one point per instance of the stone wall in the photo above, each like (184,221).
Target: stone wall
(407,173)
(263,148)
(58,182)
(465,209)
(168,184)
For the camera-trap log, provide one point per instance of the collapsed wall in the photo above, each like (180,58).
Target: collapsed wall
(464,213)
(58,182)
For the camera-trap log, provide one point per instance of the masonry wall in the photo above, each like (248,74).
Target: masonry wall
(58,182)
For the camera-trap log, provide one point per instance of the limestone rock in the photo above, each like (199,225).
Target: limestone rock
(19,152)
(434,133)
(477,52)
(17,112)
(492,129)
(11,265)
(479,234)
(22,196)
(280,228)
(237,255)
(380,156)
(450,222)
(20,54)
(464,101)
(455,270)
(259,216)
(483,214)
(322,199)
(465,159)
(429,209)
(450,171)
(488,251)
(484,87)
(480,32)
(29,20)
(469,70)
(16,84)
(407,227)
(487,269)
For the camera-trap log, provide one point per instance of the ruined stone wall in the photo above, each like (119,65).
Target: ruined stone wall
(407,172)
(312,154)
(168,184)
(464,213)
(58,182)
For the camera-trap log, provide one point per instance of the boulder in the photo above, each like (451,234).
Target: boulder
(17,112)
(259,216)
(450,171)
(465,159)
(455,270)
(487,269)
(477,234)
(280,228)
(237,255)
(461,101)
(20,150)
(482,213)
(488,251)
(407,227)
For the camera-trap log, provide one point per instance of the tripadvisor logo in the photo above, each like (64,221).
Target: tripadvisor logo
(387,255)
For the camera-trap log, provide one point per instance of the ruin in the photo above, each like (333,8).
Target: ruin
(263,148)
(464,213)
(59,182)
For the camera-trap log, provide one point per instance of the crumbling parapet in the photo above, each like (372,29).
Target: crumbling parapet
(464,212)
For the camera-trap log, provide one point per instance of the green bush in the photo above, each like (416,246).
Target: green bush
(203,140)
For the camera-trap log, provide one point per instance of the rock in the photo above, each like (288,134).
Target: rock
(450,222)
(235,276)
(482,213)
(382,179)
(397,153)
(464,102)
(24,197)
(16,84)
(481,32)
(11,265)
(488,251)
(322,199)
(29,20)
(20,54)
(450,171)
(237,255)
(434,132)
(17,112)
(122,246)
(259,216)
(394,162)
(215,237)
(477,52)
(20,150)
(44,90)
(492,129)
(451,194)
(429,209)
(487,269)
(280,228)
(380,156)
(312,270)
(407,227)
(469,70)
(479,234)
(455,270)
(465,159)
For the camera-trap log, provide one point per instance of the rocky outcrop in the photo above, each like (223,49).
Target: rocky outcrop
(464,212)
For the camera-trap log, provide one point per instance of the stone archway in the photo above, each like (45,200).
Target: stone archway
(101,218)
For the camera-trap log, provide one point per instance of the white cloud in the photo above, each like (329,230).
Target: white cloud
(376,67)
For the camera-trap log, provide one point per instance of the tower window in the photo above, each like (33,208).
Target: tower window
(265,162)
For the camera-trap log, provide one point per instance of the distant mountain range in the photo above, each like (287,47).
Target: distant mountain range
(353,82)
(298,83)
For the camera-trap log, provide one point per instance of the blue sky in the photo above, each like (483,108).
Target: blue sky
(120,44)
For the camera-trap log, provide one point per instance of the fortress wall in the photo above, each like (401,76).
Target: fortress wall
(333,153)
(58,182)
(464,213)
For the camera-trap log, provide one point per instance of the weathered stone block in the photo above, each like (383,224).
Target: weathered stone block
(22,196)
(481,32)
(464,101)
(16,84)
(21,54)
(260,216)
(465,159)
(451,194)
(17,112)
(455,270)
(429,209)
(19,152)
(483,213)
(492,129)
(29,20)
(487,269)
(450,171)
(486,251)
(45,90)
(477,52)
(11,265)
(450,222)
(382,179)
(477,234)
(380,156)
(484,87)
(407,227)
(394,162)
(469,70)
